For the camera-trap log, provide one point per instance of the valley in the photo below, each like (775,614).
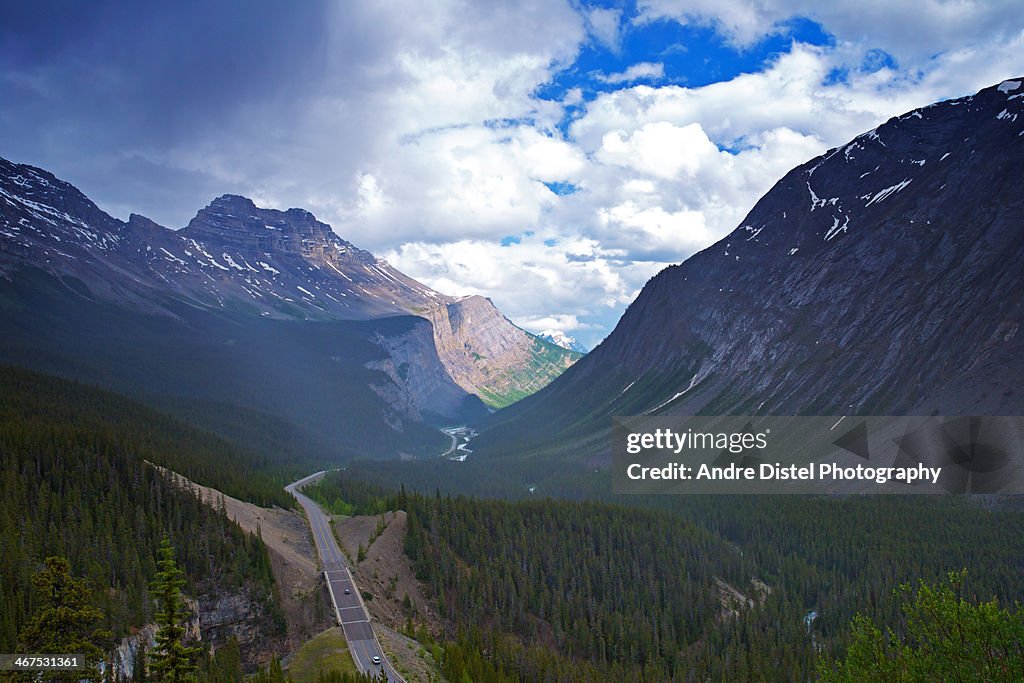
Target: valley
(165,394)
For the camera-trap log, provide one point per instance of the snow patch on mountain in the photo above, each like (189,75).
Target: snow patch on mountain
(559,338)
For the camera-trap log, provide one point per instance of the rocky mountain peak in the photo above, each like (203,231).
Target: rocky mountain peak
(235,222)
(37,208)
(851,191)
(233,202)
(143,226)
(560,338)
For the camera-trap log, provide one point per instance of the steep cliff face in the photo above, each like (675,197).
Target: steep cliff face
(240,615)
(215,618)
(489,356)
(882,277)
(415,370)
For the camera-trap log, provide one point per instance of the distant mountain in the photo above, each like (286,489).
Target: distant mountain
(489,356)
(883,277)
(281,264)
(140,308)
(285,263)
(559,338)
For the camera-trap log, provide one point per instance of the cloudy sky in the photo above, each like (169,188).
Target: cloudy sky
(551,155)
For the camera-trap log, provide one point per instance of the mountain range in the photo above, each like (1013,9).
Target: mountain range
(248,308)
(882,277)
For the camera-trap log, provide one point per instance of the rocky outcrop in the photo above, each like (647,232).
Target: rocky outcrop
(128,653)
(216,618)
(242,616)
(489,356)
(425,389)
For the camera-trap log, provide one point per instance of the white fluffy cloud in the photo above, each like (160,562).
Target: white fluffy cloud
(912,31)
(641,71)
(568,274)
(604,25)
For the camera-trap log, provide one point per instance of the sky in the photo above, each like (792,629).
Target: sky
(551,155)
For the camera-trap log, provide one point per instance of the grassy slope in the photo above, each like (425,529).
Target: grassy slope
(325,652)
(547,362)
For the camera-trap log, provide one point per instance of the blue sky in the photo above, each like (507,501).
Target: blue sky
(551,155)
(689,55)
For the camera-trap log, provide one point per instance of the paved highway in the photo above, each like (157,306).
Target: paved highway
(346,601)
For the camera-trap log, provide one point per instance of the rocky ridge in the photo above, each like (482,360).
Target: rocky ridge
(490,357)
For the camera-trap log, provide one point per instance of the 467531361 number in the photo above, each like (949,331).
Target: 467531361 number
(41,662)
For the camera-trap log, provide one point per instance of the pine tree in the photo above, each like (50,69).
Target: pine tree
(276,674)
(170,659)
(64,621)
(947,638)
(139,673)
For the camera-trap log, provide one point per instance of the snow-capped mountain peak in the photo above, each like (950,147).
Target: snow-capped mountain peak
(560,338)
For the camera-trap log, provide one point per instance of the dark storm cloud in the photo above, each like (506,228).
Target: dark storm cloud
(87,89)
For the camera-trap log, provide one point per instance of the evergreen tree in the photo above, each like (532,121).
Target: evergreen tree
(171,659)
(947,639)
(139,673)
(276,674)
(223,666)
(65,621)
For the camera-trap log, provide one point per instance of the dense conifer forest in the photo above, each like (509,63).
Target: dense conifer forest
(75,483)
(583,591)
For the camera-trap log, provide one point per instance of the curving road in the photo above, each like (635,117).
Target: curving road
(349,610)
